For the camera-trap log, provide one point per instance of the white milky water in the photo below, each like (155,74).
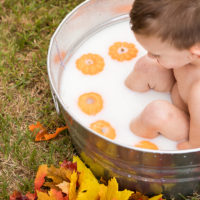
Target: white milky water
(121,105)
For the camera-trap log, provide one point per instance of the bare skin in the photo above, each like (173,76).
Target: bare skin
(166,69)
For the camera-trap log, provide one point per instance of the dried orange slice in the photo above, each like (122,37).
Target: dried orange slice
(146,145)
(104,128)
(90,64)
(90,103)
(123,51)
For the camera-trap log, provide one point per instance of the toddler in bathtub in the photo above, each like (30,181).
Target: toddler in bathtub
(170,32)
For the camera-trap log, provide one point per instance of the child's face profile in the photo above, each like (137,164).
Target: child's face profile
(165,54)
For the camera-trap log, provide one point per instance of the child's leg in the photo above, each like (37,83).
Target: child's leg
(164,118)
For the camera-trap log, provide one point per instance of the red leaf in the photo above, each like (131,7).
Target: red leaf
(18,196)
(39,180)
(69,165)
(31,196)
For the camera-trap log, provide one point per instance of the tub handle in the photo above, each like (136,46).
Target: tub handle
(55,101)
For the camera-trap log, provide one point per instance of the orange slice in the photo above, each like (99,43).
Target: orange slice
(90,64)
(122,51)
(90,103)
(104,128)
(146,145)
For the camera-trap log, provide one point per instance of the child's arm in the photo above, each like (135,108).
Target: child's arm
(148,74)
(194,110)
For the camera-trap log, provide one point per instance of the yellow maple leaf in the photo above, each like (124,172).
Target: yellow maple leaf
(89,186)
(72,186)
(112,189)
(158,197)
(99,170)
(102,192)
(88,190)
(85,172)
(124,195)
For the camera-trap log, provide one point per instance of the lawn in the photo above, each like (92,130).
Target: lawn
(26,27)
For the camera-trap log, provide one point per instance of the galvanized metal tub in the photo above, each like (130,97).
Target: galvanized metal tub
(147,171)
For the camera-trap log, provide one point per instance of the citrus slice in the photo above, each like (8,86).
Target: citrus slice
(104,128)
(122,51)
(90,64)
(146,145)
(90,103)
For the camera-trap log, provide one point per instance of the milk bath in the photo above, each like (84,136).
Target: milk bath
(120,104)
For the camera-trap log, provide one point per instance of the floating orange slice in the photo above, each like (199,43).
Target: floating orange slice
(146,145)
(90,64)
(90,103)
(123,51)
(104,128)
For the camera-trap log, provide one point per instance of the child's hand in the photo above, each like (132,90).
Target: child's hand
(148,74)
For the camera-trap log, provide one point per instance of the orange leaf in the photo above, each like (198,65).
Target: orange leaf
(53,135)
(42,134)
(56,194)
(15,195)
(51,195)
(32,127)
(41,173)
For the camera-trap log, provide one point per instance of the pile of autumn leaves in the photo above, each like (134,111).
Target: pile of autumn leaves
(74,181)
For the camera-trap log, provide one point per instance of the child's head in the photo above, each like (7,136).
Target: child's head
(173,23)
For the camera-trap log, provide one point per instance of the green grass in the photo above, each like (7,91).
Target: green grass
(26,27)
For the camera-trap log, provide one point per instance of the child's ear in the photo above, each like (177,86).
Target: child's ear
(195,49)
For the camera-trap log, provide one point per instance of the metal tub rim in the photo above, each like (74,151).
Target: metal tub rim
(72,115)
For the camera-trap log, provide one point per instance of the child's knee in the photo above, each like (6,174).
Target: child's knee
(156,113)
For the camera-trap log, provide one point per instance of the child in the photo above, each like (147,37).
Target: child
(170,32)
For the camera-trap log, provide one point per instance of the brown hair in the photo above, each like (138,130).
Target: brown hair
(174,21)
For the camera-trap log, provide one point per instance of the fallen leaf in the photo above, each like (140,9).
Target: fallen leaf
(88,190)
(56,194)
(138,196)
(125,194)
(40,177)
(84,171)
(49,136)
(102,192)
(42,134)
(44,196)
(51,195)
(69,165)
(64,186)
(158,197)
(72,187)
(31,196)
(32,127)
(112,189)
(18,196)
